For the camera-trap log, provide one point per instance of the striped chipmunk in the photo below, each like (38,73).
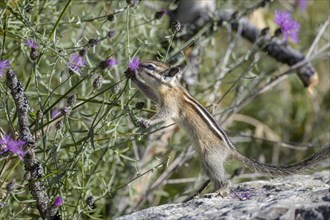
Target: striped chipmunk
(161,83)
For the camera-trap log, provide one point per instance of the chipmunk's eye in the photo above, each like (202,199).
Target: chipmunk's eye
(150,67)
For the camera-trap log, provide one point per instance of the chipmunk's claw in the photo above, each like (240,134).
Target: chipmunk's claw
(222,192)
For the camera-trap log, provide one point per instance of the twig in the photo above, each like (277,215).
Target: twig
(317,38)
(139,175)
(203,186)
(224,64)
(179,161)
(276,80)
(253,63)
(288,145)
(279,50)
(275,48)
(33,167)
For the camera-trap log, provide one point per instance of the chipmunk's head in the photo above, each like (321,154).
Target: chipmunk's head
(156,73)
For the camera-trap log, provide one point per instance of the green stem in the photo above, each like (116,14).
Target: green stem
(49,36)
(128,36)
(59,19)
(169,46)
(8,174)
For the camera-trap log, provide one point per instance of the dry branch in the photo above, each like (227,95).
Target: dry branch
(33,168)
(274,47)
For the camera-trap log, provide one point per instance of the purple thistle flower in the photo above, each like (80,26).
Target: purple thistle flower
(65,111)
(289,27)
(134,64)
(76,62)
(32,44)
(58,201)
(243,196)
(112,62)
(55,112)
(302,4)
(8,144)
(4,64)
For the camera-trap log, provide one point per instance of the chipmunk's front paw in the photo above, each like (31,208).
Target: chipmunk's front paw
(143,123)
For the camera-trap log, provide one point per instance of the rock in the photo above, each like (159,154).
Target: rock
(292,197)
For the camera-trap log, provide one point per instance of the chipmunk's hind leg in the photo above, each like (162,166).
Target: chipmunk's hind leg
(212,163)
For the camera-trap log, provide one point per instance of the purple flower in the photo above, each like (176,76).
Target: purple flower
(8,144)
(134,64)
(77,62)
(302,4)
(112,62)
(243,194)
(32,44)
(58,201)
(289,27)
(4,64)
(65,111)
(55,112)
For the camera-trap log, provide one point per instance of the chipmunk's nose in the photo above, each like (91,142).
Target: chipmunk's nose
(141,66)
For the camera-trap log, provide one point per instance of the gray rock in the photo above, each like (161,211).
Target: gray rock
(291,197)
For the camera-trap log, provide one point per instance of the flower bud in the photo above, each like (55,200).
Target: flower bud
(116,89)
(111,34)
(58,201)
(97,83)
(82,52)
(264,31)
(132,2)
(175,26)
(11,186)
(59,125)
(71,101)
(278,32)
(90,201)
(93,42)
(129,73)
(34,54)
(111,17)
(103,64)
(39,114)
(139,105)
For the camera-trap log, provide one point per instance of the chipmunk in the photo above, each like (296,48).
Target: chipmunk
(161,83)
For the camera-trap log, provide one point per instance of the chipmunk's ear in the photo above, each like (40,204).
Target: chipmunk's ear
(173,74)
(177,71)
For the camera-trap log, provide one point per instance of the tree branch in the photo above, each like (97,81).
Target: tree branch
(274,47)
(33,168)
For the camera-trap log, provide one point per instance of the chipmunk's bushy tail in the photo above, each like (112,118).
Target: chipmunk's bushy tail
(273,170)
